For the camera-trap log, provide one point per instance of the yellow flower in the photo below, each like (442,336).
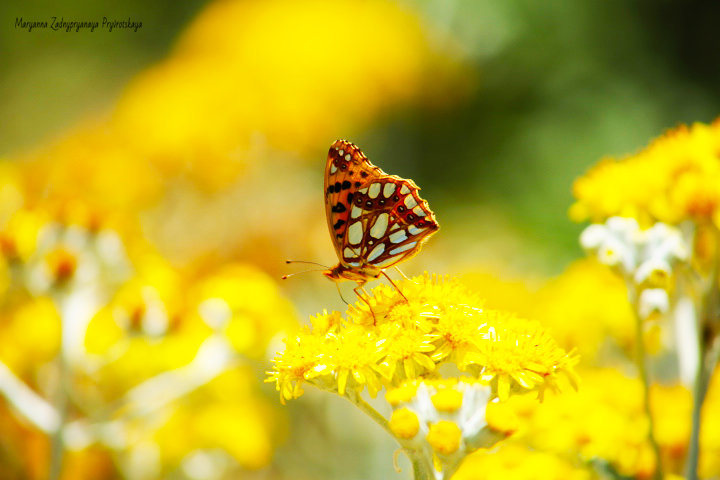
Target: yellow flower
(447,400)
(394,339)
(584,306)
(114,177)
(519,462)
(300,362)
(518,353)
(246,305)
(444,437)
(710,433)
(676,177)
(404,423)
(29,335)
(605,419)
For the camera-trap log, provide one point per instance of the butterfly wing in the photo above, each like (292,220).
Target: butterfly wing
(347,169)
(388,223)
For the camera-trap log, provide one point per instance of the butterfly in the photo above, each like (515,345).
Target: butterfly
(375,220)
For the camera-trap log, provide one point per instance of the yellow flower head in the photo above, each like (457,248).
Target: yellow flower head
(447,419)
(393,340)
(606,420)
(515,460)
(677,177)
(584,306)
(520,354)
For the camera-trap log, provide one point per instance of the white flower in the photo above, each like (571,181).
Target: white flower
(643,256)
(653,300)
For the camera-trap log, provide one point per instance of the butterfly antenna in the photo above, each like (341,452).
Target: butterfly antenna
(285,277)
(308,263)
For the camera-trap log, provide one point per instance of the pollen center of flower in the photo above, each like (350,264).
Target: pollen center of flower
(447,400)
(404,423)
(444,437)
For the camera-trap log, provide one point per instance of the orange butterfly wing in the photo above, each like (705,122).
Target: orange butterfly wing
(346,170)
(393,220)
(375,219)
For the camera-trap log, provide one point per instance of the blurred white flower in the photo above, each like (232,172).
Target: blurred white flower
(644,257)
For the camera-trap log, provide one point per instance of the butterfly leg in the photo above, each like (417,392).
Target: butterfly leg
(359,290)
(337,285)
(401,273)
(396,287)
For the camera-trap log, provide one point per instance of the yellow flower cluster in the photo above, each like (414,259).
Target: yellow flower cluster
(677,177)
(449,414)
(583,308)
(605,420)
(586,306)
(144,345)
(397,337)
(513,459)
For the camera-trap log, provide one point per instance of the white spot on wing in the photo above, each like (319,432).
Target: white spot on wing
(410,201)
(347,157)
(341,152)
(333,168)
(378,230)
(419,211)
(414,230)
(374,190)
(376,252)
(404,190)
(402,248)
(388,190)
(348,253)
(398,236)
(356,211)
(355,233)
(363,190)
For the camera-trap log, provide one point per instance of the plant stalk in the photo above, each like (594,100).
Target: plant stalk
(641,361)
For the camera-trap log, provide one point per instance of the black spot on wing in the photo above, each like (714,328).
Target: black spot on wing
(338,225)
(339,208)
(345,185)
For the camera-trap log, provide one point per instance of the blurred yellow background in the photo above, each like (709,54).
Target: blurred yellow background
(155,182)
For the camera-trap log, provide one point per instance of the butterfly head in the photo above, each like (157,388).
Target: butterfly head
(333,273)
(360,275)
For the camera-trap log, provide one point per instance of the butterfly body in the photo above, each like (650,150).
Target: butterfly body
(375,220)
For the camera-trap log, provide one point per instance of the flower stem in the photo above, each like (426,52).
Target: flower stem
(421,464)
(359,402)
(699,391)
(57,443)
(708,355)
(422,467)
(641,361)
